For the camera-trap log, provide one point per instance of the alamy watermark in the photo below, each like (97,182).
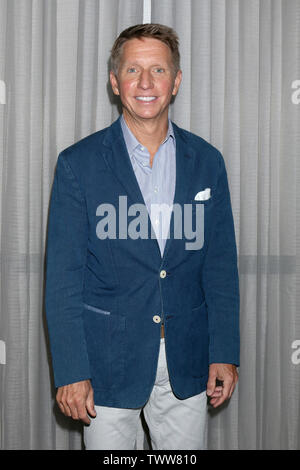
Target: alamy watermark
(187,222)
(296,94)
(295,357)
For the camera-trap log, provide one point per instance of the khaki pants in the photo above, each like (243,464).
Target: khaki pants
(173,424)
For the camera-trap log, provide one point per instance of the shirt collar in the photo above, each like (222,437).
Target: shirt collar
(131,141)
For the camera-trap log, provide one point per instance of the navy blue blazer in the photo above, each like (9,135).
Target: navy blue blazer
(102,294)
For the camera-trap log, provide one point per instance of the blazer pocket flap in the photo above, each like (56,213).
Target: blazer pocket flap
(96,309)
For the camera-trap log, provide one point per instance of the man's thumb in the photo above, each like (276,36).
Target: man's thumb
(90,406)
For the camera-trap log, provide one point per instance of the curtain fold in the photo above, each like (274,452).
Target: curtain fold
(54,62)
(241,63)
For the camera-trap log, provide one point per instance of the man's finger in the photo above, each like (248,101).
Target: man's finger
(65,409)
(217,393)
(211,384)
(73,408)
(83,416)
(61,401)
(225,394)
(90,405)
(226,388)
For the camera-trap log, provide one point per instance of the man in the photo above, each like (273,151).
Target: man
(140,321)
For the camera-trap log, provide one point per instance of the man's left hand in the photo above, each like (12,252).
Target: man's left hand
(226,373)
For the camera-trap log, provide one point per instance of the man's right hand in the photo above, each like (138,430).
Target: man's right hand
(77,400)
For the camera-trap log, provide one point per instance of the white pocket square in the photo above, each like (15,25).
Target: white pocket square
(203,195)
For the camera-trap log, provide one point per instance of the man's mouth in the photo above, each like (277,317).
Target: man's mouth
(146,99)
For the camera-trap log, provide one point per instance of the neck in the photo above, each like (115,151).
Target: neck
(149,132)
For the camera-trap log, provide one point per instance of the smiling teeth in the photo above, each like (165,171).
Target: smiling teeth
(146,98)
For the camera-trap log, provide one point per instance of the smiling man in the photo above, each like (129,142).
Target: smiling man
(142,323)
(146,78)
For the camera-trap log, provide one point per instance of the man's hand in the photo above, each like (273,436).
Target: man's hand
(77,400)
(227,373)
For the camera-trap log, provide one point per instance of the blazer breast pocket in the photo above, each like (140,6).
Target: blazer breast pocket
(203,198)
(205,204)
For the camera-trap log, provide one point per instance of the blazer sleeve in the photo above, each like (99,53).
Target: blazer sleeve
(220,278)
(65,264)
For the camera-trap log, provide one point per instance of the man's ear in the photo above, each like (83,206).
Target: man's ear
(114,83)
(177,82)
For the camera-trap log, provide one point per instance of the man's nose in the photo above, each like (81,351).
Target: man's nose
(146,80)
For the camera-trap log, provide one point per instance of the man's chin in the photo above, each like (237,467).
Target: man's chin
(146,115)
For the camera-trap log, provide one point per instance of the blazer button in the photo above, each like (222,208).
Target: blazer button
(163,273)
(156,319)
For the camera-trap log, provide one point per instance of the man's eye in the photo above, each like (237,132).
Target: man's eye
(159,70)
(131,70)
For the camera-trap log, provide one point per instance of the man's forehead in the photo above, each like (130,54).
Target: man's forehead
(138,45)
(139,50)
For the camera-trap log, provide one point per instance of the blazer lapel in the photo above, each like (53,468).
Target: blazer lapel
(185,159)
(118,160)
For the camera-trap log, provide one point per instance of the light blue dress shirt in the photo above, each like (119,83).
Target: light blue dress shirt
(157,184)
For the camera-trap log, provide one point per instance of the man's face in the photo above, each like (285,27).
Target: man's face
(146,79)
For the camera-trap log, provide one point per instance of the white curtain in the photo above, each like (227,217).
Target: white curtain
(241,70)
(240,61)
(53,60)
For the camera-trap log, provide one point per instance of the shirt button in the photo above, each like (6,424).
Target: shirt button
(163,273)
(156,319)
(156,189)
(142,148)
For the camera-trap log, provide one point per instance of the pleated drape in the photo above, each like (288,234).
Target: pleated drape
(241,69)
(240,60)
(54,58)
